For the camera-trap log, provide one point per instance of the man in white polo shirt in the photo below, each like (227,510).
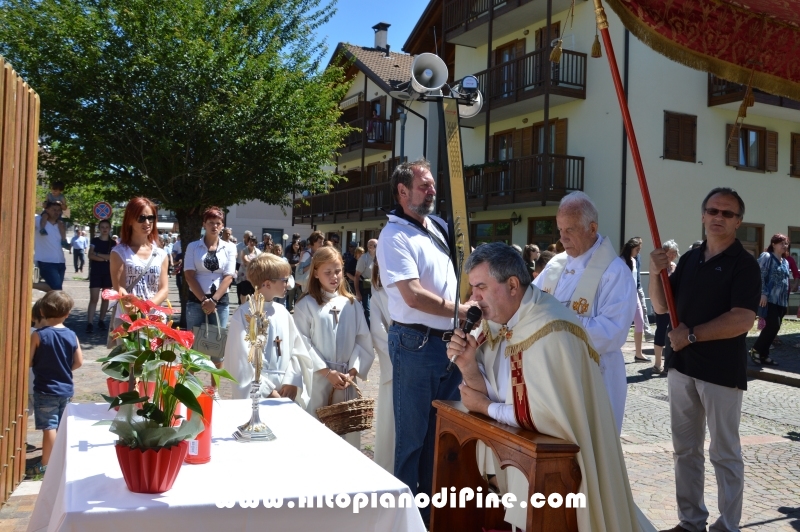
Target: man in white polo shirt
(420,281)
(47,252)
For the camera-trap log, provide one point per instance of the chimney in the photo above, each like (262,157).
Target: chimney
(381,35)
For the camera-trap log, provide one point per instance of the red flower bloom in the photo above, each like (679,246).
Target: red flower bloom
(184,338)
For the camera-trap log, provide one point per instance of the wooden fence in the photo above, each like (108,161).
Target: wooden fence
(19,147)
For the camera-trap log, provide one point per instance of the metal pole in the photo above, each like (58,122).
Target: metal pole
(602,25)
(403,117)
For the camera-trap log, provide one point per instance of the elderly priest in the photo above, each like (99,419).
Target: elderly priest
(533,366)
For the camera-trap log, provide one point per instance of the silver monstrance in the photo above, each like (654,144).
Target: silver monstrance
(255,429)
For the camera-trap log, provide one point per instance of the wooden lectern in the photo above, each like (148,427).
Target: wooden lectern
(548,463)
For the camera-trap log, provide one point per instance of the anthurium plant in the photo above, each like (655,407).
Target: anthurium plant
(162,358)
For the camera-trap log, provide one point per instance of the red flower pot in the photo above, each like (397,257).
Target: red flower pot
(151,389)
(116,387)
(153,470)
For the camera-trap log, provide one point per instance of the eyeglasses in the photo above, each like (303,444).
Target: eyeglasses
(284,280)
(725,214)
(143,218)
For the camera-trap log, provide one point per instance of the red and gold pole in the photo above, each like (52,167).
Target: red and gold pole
(602,25)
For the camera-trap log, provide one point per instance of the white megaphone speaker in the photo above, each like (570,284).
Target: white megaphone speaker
(468,111)
(428,73)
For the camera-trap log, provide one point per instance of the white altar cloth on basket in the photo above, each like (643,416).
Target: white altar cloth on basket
(84,489)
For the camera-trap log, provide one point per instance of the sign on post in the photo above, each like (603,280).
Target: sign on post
(102,210)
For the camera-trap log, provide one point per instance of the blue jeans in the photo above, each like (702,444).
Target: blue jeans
(420,376)
(195,317)
(78,259)
(53,273)
(48,410)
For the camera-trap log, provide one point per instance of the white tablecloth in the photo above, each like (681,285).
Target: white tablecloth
(83,489)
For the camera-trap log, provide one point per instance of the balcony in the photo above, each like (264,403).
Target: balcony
(368,202)
(465,21)
(371,133)
(512,88)
(728,95)
(526,180)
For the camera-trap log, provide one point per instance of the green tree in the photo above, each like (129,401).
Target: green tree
(189,102)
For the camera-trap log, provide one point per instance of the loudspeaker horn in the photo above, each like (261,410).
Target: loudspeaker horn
(428,73)
(468,111)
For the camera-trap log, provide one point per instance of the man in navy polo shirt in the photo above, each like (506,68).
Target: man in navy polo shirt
(717,288)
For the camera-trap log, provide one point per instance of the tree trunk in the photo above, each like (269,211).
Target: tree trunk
(189,225)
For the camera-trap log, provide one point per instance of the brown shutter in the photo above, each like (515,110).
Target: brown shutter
(672,135)
(539,38)
(688,142)
(519,48)
(516,144)
(382,103)
(491,149)
(732,149)
(527,141)
(561,137)
(795,157)
(772,151)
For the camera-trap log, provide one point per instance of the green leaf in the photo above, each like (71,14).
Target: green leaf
(168,356)
(185,396)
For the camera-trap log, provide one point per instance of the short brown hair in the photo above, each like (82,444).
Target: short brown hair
(266,267)
(36,310)
(404,174)
(56,304)
(315,237)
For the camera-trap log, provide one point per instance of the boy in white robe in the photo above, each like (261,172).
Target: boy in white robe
(287,366)
(384,417)
(335,332)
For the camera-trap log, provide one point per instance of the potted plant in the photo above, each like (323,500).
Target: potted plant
(152,433)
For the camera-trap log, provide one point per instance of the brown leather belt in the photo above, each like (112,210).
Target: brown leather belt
(435,333)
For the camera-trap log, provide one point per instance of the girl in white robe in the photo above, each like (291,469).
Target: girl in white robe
(384,417)
(335,331)
(287,367)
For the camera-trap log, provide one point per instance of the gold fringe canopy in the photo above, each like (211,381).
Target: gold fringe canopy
(723,69)
(554,326)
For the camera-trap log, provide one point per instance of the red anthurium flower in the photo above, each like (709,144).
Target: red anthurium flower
(110,295)
(155,343)
(156,308)
(184,338)
(119,332)
(125,318)
(131,299)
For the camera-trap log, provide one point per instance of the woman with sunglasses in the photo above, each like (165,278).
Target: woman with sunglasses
(208,268)
(137,251)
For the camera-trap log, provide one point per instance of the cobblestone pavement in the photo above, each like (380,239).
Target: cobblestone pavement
(770,430)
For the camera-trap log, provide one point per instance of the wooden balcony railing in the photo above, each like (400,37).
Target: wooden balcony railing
(459,12)
(721,91)
(373,131)
(360,203)
(525,77)
(525,180)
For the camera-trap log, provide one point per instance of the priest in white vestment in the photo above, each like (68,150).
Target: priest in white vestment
(533,366)
(591,280)
(380,321)
(287,367)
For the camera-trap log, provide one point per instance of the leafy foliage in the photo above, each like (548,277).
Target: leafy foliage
(188,102)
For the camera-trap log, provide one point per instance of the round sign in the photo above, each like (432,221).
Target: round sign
(102,210)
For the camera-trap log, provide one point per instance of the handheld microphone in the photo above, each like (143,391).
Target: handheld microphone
(474,315)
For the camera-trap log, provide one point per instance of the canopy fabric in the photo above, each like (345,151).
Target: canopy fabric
(727,38)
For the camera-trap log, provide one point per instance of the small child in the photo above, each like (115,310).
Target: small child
(56,195)
(55,354)
(37,322)
(334,328)
(287,367)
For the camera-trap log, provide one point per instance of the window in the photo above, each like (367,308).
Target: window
(794,169)
(502,146)
(277,235)
(485,232)
(680,137)
(753,148)
(752,238)
(543,232)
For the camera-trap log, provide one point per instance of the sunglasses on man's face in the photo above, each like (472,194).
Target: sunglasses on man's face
(143,218)
(725,214)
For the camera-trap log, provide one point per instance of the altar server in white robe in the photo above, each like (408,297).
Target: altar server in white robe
(384,418)
(590,279)
(533,366)
(287,368)
(334,329)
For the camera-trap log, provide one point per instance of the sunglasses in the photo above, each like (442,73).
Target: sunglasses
(143,218)
(725,214)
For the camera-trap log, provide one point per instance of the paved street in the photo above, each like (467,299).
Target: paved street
(770,435)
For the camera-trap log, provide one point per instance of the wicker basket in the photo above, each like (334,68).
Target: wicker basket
(348,416)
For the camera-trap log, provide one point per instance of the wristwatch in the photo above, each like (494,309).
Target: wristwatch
(692,337)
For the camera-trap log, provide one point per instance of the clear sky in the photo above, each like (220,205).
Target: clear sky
(354,19)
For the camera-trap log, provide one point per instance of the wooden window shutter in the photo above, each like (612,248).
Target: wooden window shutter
(382,103)
(516,144)
(672,135)
(688,142)
(794,170)
(540,35)
(491,149)
(561,137)
(527,141)
(771,151)
(732,149)
(519,48)
(537,133)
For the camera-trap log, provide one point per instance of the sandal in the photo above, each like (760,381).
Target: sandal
(755,356)
(769,362)
(36,470)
